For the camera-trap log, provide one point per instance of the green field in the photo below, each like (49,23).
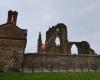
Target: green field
(51,76)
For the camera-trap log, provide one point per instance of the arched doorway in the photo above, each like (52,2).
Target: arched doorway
(74,49)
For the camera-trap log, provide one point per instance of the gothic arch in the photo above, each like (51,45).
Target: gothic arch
(83,47)
(71,44)
(74,49)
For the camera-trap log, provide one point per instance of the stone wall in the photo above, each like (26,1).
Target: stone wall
(11,53)
(63,62)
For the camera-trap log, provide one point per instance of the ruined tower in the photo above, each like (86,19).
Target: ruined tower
(39,43)
(60,31)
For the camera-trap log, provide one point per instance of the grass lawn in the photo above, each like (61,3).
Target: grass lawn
(50,76)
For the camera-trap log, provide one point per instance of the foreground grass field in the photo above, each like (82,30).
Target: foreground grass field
(51,76)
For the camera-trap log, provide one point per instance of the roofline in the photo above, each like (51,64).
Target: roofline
(14,25)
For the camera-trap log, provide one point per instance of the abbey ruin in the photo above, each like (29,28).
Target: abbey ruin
(49,56)
(60,31)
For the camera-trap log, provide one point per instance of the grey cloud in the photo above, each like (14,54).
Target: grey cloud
(81,17)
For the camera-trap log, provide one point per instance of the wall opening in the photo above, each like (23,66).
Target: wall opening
(57,41)
(74,49)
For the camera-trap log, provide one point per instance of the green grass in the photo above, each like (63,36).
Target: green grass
(51,76)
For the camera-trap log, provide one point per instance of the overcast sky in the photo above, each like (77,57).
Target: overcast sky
(82,18)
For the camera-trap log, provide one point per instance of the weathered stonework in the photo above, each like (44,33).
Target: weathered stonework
(60,31)
(12,43)
(57,62)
